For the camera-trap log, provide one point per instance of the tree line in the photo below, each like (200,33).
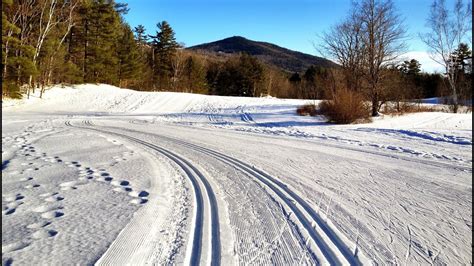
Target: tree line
(370,41)
(47,42)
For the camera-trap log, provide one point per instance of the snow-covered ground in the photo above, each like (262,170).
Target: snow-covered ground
(94,173)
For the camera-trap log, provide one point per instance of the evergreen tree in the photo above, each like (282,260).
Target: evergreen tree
(412,67)
(195,76)
(239,76)
(462,64)
(102,39)
(314,79)
(295,78)
(164,48)
(17,58)
(462,58)
(140,34)
(129,58)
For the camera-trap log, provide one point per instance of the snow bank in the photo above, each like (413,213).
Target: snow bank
(266,112)
(107,98)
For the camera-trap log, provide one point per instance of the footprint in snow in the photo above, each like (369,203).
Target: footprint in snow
(73,164)
(52,214)
(49,211)
(72,184)
(43,233)
(140,197)
(138,201)
(38,225)
(139,194)
(54,198)
(30,169)
(120,183)
(122,189)
(24,179)
(32,186)
(10,198)
(9,211)
(13,203)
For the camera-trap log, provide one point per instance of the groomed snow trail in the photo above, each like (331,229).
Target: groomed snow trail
(99,175)
(326,245)
(204,218)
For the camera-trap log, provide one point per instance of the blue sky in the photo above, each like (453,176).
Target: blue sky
(293,24)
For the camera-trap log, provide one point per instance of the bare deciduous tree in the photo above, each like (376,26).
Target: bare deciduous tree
(177,66)
(344,43)
(365,44)
(67,21)
(447,33)
(384,34)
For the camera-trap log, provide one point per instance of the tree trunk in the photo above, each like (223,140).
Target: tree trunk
(375,104)
(455,99)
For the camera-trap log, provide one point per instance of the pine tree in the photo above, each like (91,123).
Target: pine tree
(411,67)
(462,63)
(17,59)
(130,66)
(164,48)
(101,29)
(195,76)
(141,36)
(461,58)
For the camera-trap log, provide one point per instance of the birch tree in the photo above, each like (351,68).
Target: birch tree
(448,31)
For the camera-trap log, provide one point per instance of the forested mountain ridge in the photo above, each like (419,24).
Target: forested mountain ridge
(286,59)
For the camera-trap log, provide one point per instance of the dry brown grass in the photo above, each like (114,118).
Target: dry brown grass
(307,109)
(407,108)
(347,107)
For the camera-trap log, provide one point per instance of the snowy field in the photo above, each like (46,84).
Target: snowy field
(97,174)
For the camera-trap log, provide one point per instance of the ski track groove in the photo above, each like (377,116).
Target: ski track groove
(194,250)
(329,246)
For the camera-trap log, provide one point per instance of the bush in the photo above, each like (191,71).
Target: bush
(407,107)
(11,89)
(346,107)
(307,109)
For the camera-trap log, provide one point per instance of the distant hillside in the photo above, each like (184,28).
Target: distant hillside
(283,58)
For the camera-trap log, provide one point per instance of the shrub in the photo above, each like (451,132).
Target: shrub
(346,107)
(11,89)
(307,109)
(407,107)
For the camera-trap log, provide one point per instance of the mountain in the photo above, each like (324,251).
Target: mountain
(283,58)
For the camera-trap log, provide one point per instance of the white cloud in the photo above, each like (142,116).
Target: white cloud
(427,64)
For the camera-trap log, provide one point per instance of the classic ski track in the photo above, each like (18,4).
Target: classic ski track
(399,156)
(207,205)
(328,246)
